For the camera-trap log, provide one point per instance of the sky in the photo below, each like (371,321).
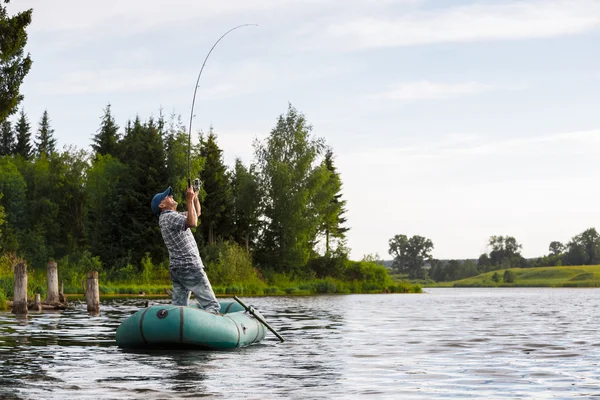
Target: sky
(449,119)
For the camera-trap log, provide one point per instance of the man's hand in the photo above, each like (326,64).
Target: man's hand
(190,194)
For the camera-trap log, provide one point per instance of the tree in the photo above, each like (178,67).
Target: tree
(496,277)
(142,151)
(410,254)
(333,214)
(292,178)
(23,132)
(584,249)
(14,66)
(217,204)
(246,202)
(509,276)
(105,141)
(45,143)
(7,139)
(506,252)
(556,248)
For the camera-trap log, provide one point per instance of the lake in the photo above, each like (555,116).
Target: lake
(446,343)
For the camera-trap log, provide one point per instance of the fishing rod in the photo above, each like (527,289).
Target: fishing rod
(197,182)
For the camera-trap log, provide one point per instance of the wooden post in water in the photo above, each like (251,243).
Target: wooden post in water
(52,278)
(37,304)
(20,295)
(92,292)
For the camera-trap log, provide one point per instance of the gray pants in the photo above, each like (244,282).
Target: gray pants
(193,280)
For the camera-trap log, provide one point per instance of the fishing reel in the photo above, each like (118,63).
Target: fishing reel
(196,184)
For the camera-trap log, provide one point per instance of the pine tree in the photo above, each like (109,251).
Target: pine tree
(333,215)
(23,132)
(217,204)
(14,66)
(45,141)
(105,141)
(7,139)
(246,202)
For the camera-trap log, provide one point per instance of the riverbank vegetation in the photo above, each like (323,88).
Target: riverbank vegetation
(502,265)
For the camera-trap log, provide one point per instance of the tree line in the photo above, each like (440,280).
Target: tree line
(413,256)
(285,207)
(281,215)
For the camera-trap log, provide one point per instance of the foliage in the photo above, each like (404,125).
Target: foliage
(45,143)
(105,141)
(228,263)
(509,276)
(583,249)
(217,204)
(410,254)
(332,223)
(292,179)
(14,65)
(7,138)
(23,133)
(246,201)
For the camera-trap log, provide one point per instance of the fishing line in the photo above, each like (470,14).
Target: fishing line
(194,98)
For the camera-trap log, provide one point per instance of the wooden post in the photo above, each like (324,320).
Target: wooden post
(61,294)
(37,304)
(93,292)
(52,278)
(20,295)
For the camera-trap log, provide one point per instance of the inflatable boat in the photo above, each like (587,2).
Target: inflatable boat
(166,325)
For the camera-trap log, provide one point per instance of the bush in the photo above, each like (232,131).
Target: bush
(3,303)
(509,276)
(228,264)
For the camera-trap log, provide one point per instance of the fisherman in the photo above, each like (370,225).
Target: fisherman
(186,268)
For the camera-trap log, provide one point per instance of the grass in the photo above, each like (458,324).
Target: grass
(572,276)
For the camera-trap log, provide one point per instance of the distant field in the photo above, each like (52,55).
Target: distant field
(575,276)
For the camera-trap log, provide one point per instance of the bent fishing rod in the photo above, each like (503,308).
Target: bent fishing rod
(197,182)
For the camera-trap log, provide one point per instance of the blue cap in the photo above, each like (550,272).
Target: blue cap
(158,198)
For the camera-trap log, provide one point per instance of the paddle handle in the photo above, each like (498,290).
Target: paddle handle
(258,317)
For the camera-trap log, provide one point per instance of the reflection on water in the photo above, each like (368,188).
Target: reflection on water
(445,343)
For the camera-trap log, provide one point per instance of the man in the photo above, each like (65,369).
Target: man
(187,270)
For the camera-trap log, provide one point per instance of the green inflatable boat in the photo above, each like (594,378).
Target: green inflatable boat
(166,325)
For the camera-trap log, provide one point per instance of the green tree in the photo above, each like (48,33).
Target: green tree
(410,254)
(68,170)
(292,178)
(105,141)
(13,188)
(332,225)
(246,202)
(505,252)
(45,142)
(7,139)
(509,276)
(14,65)
(23,132)
(496,277)
(584,249)
(556,248)
(104,210)
(217,204)
(142,151)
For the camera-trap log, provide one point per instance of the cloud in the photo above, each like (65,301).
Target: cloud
(425,90)
(115,80)
(466,23)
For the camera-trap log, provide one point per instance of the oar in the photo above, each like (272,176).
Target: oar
(258,317)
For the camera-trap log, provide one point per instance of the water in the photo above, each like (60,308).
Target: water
(445,343)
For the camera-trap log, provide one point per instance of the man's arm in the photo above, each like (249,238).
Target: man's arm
(197,205)
(191,217)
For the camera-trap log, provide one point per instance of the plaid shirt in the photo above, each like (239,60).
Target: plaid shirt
(183,250)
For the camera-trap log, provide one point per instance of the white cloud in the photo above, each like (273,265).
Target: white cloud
(117,80)
(466,23)
(425,90)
